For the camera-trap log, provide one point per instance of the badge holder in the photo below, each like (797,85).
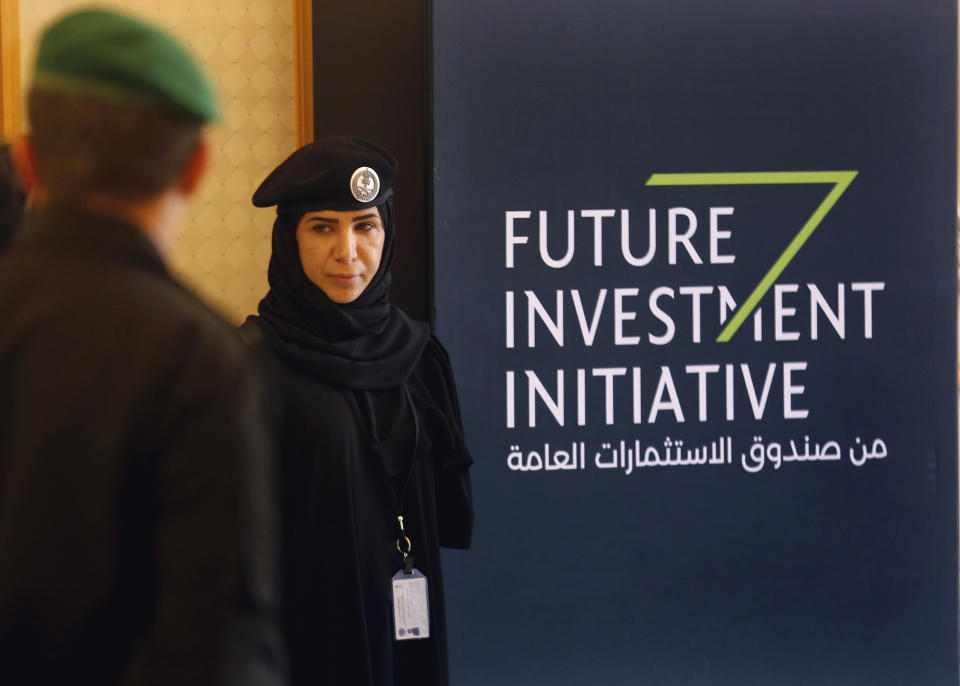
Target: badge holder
(411,609)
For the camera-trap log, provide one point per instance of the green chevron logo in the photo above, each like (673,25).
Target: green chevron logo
(841,180)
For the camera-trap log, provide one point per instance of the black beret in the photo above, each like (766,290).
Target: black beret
(336,173)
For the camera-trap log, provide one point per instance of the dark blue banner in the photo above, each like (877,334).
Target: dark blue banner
(696,268)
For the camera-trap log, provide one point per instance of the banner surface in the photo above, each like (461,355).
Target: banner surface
(696,269)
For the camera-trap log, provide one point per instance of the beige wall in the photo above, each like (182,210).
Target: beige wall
(247,46)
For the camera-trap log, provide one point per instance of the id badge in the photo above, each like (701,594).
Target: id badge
(411,611)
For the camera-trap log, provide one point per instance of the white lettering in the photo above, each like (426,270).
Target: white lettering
(535,388)
(608,373)
(620,316)
(597,216)
(716,235)
(695,292)
(662,316)
(868,288)
(819,303)
(544,254)
(790,390)
(674,238)
(511,238)
(625,239)
(665,385)
(781,312)
(535,307)
(701,370)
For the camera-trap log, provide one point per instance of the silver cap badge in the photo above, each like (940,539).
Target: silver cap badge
(364,184)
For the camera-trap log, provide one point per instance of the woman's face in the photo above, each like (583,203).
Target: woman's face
(340,250)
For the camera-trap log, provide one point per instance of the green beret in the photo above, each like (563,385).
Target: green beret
(103,54)
(337,173)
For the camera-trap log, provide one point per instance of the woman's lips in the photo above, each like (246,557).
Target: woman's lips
(344,278)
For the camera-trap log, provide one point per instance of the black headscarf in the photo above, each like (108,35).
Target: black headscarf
(367,344)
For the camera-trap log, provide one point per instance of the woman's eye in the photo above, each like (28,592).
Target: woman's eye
(366,226)
(322,228)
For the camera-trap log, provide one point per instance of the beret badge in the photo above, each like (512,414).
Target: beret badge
(364,184)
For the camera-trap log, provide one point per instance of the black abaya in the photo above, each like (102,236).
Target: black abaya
(366,404)
(347,455)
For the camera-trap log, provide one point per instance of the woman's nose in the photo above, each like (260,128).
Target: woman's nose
(346,247)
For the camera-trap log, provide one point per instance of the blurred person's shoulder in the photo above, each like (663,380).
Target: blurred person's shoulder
(100,285)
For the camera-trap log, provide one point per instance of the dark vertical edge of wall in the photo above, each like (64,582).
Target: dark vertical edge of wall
(431,227)
(372,78)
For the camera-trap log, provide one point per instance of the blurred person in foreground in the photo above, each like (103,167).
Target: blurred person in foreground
(136,512)
(12,198)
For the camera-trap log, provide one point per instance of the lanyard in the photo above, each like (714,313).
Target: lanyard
(403,543)
(404,546)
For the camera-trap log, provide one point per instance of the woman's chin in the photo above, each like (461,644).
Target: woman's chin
(342,295)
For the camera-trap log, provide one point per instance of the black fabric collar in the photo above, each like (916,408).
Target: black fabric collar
(71,230)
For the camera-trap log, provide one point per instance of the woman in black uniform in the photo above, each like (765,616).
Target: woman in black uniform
(375,469)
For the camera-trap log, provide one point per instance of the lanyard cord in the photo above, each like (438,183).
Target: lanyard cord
(404,546)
